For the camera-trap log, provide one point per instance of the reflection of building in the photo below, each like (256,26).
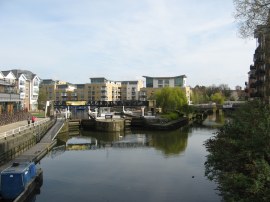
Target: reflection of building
(27,85)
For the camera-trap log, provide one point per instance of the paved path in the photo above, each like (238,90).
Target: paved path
(12,126)
(38,151)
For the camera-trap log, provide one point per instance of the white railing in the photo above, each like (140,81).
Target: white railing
(15,131)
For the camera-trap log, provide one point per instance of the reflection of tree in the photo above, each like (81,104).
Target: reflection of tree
(170,142)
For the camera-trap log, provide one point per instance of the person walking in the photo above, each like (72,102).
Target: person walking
(33,120)
(28,120)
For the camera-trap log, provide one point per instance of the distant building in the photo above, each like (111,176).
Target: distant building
(161,82)
(102,89)
(130,89)
(58,90)
(155,83)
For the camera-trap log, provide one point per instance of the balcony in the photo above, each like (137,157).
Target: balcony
(252,67)
(260,72)
(252,85)
(9,97)
(7,82)
(252,76)
(258,61)
(22,95)
(259,83)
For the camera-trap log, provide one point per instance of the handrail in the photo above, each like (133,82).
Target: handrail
(15,131)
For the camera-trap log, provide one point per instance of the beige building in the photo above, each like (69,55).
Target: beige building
(58,90)
(130,89)
(101,89)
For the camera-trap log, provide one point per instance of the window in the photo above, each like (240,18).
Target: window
(166,82)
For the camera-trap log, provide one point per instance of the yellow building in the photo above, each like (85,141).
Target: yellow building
(58,90)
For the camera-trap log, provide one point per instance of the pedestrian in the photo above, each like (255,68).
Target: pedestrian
(28,120)
(33,120)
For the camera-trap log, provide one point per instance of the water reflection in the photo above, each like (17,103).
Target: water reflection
(136,166)
(170,143)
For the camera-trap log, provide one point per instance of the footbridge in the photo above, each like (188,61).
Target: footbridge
(86,104)
(29,142)
(228,105)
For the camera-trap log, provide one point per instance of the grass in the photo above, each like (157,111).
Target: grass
(170,115)
(40,114)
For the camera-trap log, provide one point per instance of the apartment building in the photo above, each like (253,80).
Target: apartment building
(57,90)
(130,89)
(155,83)
(9,97)
(161,82)
(102,89)
(258,85)
(27,85)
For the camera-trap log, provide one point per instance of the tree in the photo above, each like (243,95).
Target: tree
(199,95)
(170,99)
(239,155)
(218,98)
(225,89)
(249,14)
(42,97)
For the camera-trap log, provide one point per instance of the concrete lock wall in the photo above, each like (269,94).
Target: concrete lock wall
(12,146)
(110,125)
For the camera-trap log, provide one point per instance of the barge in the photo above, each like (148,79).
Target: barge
(19,181)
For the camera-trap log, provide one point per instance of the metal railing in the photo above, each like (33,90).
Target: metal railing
(16,131)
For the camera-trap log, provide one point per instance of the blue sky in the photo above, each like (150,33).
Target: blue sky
(125,40)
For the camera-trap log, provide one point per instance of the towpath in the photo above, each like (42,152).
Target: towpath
(38,151)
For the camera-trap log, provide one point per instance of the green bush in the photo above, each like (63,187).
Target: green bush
(170,116)
(239,155)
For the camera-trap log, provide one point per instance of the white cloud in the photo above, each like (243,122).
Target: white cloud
(125,39)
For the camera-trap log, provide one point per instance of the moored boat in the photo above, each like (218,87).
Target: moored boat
(19,180)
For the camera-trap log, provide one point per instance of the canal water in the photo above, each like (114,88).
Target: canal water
(135,166)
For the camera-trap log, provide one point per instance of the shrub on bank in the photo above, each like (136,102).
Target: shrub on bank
(239,155)
(170,115)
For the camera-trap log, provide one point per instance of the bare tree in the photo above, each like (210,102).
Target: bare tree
(249,14)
